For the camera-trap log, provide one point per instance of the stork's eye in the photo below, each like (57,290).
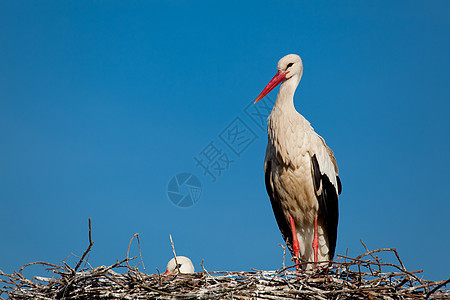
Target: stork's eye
(179,266)
(289,65)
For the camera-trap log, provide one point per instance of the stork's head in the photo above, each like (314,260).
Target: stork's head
(185,266)
(289,67)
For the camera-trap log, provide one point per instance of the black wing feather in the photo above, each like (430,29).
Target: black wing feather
(339,185)
(328,204)
(283,225)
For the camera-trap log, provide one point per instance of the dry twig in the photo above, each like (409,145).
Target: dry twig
(174,254)
(87,250)
(363,277)
(139,245)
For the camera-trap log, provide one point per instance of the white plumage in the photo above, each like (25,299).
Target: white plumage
(185,266)
(301,172)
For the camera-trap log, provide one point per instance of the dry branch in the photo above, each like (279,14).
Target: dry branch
(91,243)
(363,277)
(355,278)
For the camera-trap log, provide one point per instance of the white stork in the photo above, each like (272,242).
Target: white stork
(184,266)
(301,173)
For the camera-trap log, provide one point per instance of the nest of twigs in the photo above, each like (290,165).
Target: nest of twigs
(363,277)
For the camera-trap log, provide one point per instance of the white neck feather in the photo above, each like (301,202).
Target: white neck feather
(285,124)
(285,97)
(284,105)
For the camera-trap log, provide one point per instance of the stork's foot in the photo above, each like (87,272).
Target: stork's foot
(295,244)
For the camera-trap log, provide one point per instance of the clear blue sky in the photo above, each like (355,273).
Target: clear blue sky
(102,102)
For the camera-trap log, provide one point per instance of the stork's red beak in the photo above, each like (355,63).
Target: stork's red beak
(276,80)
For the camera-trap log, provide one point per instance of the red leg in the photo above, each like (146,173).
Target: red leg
(315,243)
(295,243)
